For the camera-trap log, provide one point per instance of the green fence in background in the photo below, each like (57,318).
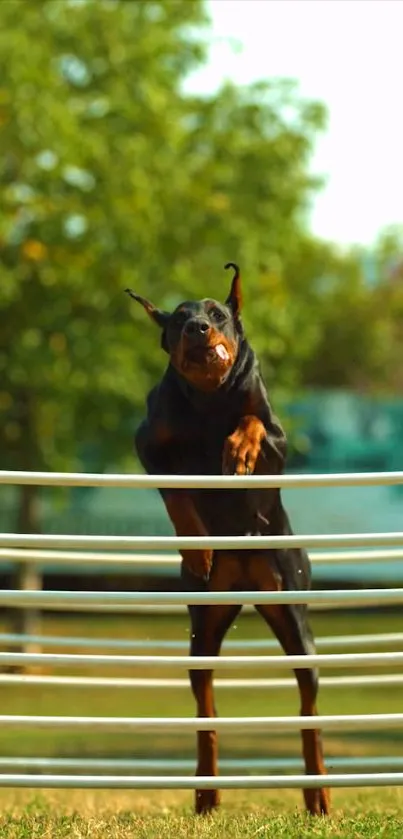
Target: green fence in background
(333,432)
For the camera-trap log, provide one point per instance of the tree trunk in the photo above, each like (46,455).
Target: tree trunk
(28,458)
(28,510)
(27,621)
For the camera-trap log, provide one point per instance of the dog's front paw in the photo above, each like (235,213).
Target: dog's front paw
(243,447)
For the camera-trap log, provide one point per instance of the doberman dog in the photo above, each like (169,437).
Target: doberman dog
(210,414)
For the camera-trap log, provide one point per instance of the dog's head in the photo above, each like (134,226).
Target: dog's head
(202,337)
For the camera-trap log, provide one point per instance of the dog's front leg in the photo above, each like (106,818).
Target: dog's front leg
(155,444)
(187,522)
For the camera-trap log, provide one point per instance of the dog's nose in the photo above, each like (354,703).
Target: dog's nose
(197,326)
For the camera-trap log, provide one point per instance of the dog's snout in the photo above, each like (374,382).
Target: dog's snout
(197,326)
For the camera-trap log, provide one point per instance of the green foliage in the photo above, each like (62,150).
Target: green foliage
(91,124)
(111,176)
(359,320)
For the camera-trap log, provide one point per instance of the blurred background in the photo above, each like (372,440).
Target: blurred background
(145,144)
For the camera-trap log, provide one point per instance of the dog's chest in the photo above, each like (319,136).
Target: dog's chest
(200,452)
(209,441)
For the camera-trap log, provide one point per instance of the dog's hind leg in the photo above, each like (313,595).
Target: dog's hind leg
(291,627)
(209,625)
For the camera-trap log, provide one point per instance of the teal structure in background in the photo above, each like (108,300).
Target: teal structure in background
(333,432)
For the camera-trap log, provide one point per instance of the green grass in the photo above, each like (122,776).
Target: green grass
(356,815)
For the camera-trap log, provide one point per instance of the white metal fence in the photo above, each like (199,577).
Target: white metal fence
(44,549)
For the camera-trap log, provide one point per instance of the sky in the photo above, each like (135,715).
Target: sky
(349,55)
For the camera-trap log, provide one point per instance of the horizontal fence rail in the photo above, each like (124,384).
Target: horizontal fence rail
(163,561)
(32,550)
(39,764)
(182,610)
(38,599)
(34,680)
(148,782)
(180,725)
(274,662)
(93,479)
(333,641)
(153,543)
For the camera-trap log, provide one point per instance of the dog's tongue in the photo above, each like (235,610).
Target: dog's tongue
(222,352)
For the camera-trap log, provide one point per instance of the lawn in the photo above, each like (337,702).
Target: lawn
(83,815)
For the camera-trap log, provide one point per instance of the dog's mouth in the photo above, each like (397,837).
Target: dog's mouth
(205,362)
(208,354)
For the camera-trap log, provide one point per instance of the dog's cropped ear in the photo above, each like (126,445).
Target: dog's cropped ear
(234,299)
(157,315)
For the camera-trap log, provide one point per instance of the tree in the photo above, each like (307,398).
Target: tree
(86,149)
(388,304)
(360,339)
(112,177)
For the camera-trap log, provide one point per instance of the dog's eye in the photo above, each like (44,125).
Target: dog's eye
(217,315)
